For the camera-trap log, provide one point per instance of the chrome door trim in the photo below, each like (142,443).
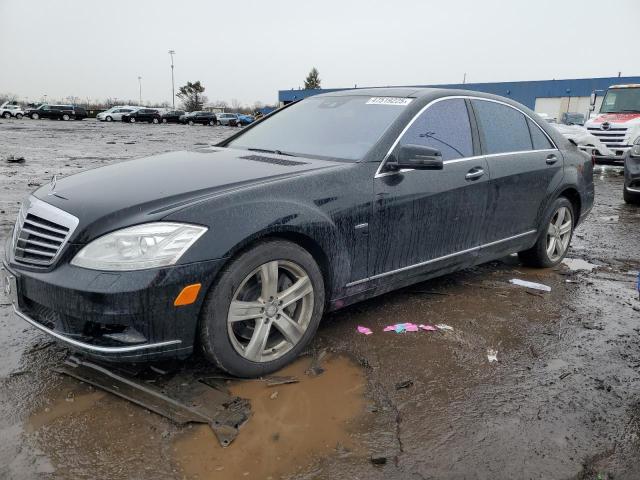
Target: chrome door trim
(378,173)
(433,260)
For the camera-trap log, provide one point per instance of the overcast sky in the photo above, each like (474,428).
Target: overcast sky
(249,49)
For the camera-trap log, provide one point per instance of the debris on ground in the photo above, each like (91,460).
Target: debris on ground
(427,327)
(315,368)
(181,400)
(444,326)
(273,381)
(401,328)
(378,459)
(527,284)
(492,355)
(364,330)
(592,326)
(274,395)
(404,384)
(565,375)
(14,159)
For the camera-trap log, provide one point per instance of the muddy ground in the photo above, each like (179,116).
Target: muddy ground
(561,402)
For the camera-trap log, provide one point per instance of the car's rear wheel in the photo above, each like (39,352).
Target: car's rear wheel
(132,120)
(35,116)
(164,120)
(6,115)
(190,122)
(263,310)
(109,119)
(555,237)
(65,117)
(632,198)
(210,122)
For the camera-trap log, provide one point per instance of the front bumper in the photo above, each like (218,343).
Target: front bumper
(619,154)
(115,316)
(632,174)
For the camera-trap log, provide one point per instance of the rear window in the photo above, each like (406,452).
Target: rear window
(503,129)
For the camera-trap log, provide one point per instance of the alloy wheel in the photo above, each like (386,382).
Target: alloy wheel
(270,311)
(559,233)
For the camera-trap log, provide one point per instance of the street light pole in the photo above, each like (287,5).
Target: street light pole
(173,88)
(140,85)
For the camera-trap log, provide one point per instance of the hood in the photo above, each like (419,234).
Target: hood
(148,189)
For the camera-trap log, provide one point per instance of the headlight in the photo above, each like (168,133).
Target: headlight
(148,245)
(635,150)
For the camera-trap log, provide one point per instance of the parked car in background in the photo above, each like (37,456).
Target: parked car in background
(572,118)
(59,112)
(585,141)
(114,114)
(172,116)
(8,110)
(631,191)
(204,118)
(244,120)
(228,119)
(241,249)
(149,115)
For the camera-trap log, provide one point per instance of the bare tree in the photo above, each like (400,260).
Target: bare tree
(235,104)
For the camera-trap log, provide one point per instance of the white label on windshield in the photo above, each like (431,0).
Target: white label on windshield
(389,101)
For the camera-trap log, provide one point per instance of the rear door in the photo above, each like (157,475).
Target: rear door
(427,219)
(525,168)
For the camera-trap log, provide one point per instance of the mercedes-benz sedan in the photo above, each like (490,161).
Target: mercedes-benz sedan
(241,248)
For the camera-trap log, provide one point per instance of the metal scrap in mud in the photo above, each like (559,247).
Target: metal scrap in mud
(180,399)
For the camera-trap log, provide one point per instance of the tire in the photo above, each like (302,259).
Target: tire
(19,116)
(190,122)
(553,242)
(631,198)
(35,116)
(66,117)
(132,120)
(164,120)
(211,123)
(109,119)
(225,342)
(6,115)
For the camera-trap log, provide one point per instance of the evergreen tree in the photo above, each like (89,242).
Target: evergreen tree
(312,81)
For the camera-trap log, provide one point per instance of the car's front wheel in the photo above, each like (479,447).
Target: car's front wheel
(19,116)
(6,115)
(190,122)
(109,119)
(65,117)
(555,237)
(35,116)
(263,310)
(132,120)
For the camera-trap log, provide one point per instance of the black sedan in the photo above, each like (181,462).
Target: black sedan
(326,202)
(57,112)
(631,190)
(148,115)
(203,118)
(172,116)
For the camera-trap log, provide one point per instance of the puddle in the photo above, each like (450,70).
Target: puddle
(74,404)
(290,426)
(575,264)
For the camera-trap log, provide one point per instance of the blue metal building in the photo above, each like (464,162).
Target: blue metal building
(525,92)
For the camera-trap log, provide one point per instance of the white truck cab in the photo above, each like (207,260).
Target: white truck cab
(617,125)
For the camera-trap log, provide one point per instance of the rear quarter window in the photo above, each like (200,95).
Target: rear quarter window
(502,129)
(538,137)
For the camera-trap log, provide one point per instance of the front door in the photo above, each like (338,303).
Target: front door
(425,217)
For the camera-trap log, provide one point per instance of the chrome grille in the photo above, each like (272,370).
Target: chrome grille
(40,233)
(614,137)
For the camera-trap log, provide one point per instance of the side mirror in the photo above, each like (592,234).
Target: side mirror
(416,157)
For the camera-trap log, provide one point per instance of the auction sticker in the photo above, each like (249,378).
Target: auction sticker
(389,101)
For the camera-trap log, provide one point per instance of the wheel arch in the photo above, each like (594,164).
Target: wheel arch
(572,194)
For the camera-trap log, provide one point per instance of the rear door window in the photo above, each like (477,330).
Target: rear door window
(503,129)
(538,137)
(444,126)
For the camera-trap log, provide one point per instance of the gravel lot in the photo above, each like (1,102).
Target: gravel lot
(561,402)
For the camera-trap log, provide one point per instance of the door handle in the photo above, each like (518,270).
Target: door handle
(551,159)
(474,173)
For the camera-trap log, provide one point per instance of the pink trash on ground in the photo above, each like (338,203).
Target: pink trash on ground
(428,328)
(389,328)
(411,327)
(364,330)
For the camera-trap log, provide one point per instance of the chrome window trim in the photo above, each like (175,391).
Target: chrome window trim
(433,260)
(378,173)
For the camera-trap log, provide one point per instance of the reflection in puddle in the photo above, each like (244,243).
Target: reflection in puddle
(291,424)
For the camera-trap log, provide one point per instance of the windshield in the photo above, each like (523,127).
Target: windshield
(621,100)
(341,128)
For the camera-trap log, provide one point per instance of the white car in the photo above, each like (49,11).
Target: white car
(584,139)
(114,114)
(8,111)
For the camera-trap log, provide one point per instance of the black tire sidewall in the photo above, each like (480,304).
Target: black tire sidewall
(214,336)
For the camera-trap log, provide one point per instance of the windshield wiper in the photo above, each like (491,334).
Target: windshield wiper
(277,152)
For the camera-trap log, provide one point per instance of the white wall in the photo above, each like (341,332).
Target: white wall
(556,106)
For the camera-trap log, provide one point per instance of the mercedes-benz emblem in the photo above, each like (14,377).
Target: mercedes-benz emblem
(605,126)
